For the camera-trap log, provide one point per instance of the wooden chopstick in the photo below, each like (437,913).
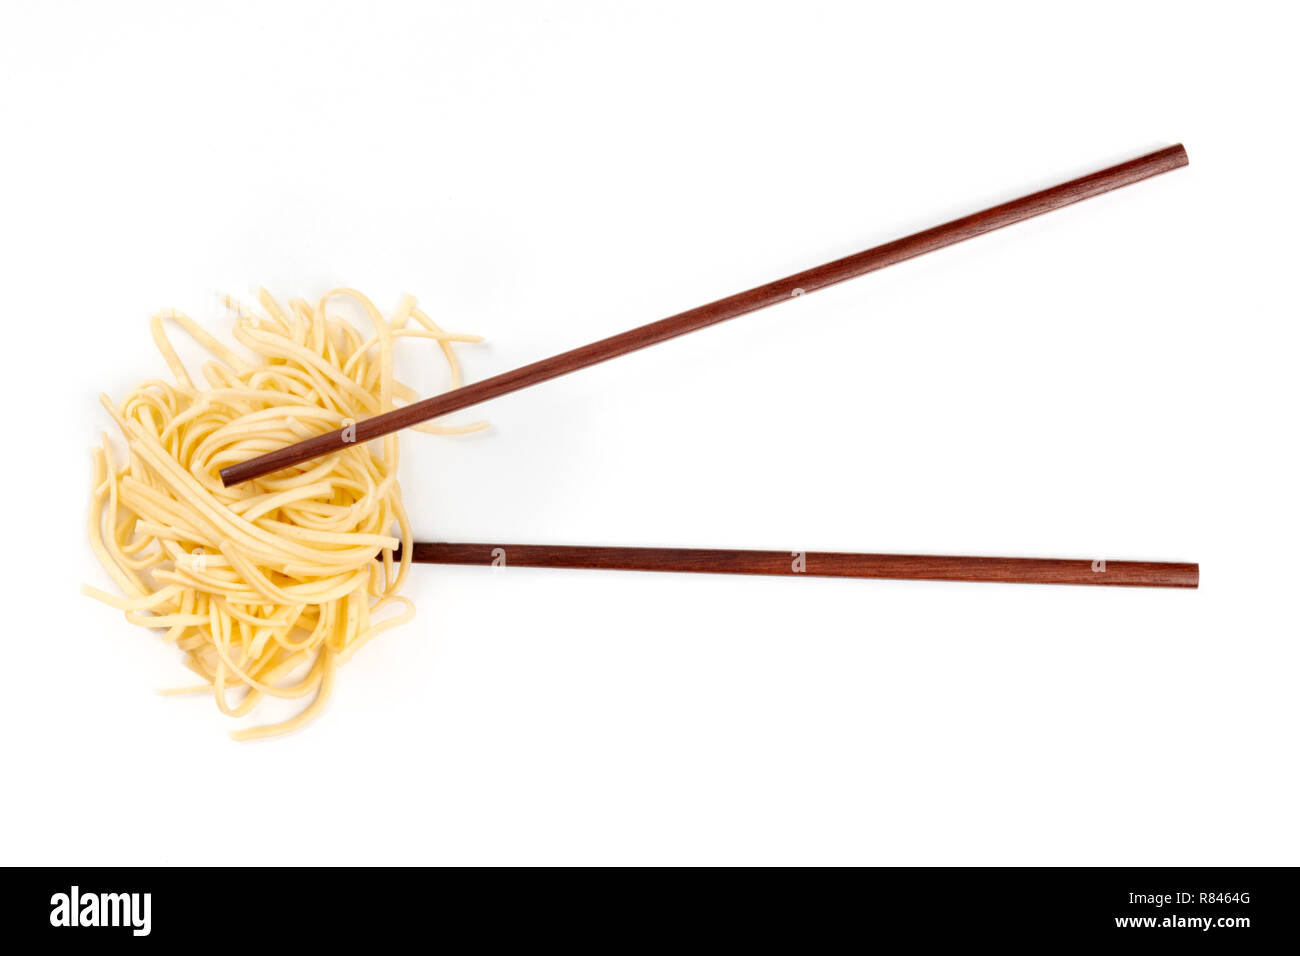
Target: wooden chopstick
(811,280)
(833,564)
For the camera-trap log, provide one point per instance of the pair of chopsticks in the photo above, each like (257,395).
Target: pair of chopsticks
(927,567)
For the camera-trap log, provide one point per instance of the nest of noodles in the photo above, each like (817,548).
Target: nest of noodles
(267,587)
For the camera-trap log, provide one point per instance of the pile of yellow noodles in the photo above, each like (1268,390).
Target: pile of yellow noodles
(271,585)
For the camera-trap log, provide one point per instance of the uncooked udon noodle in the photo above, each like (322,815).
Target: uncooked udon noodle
(268,587)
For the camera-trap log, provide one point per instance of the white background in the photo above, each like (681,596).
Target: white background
(1113,380)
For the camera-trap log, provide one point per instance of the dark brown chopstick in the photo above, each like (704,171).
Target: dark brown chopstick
(938,237)
(833,564)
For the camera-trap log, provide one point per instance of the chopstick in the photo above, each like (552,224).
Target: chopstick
(752,300)
(832,564)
